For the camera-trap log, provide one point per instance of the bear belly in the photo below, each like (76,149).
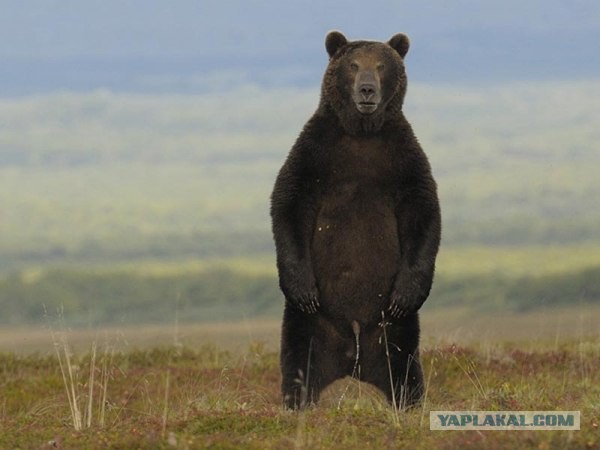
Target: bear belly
(355,254)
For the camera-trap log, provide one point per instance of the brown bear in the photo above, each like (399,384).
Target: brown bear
(356,222)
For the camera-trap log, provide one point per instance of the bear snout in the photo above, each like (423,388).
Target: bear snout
(367,92)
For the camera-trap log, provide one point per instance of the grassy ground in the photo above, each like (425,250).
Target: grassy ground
(174,395)
(179,398)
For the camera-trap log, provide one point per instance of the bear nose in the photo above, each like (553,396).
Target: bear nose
(367,91)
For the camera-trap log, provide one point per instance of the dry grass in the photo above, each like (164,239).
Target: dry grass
(207,398)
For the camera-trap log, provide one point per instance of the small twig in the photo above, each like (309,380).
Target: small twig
(427,390)
(387,354)
(91,385)
(166,409)
(104,380)
(356,330)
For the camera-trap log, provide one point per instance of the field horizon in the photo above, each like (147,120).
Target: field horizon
(443,325)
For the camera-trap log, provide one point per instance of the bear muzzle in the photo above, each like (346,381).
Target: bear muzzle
(367,93)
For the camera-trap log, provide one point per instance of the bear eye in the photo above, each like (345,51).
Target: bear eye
(380,67)
(354,66)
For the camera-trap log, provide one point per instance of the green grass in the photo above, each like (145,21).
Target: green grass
(225,289)
(183,398)
(453,261)
(518,261)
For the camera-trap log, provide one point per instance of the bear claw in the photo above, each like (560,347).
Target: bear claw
(398,308)
(307,305)
(396,311)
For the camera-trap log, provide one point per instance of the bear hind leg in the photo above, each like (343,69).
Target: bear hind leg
(303,382)
(405,387)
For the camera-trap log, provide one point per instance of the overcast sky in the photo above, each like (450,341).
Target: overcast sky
(152,45)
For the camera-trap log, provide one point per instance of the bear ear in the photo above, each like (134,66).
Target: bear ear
(400,43)
(334,41)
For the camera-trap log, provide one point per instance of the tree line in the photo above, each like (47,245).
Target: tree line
(87,297)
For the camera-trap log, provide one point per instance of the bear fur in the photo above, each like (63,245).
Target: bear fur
(356,223)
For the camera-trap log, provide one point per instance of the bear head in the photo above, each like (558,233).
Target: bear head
(365,81)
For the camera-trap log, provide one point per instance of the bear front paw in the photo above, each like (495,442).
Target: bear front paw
(409,294)
(404,303)
(307,302)
(300,290)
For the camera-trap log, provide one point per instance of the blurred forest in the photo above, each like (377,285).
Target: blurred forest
(134,207)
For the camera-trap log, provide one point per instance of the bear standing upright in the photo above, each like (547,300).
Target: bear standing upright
(356,222)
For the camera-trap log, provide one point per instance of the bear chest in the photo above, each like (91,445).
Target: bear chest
(352,164)
(354,244)
(357,188)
